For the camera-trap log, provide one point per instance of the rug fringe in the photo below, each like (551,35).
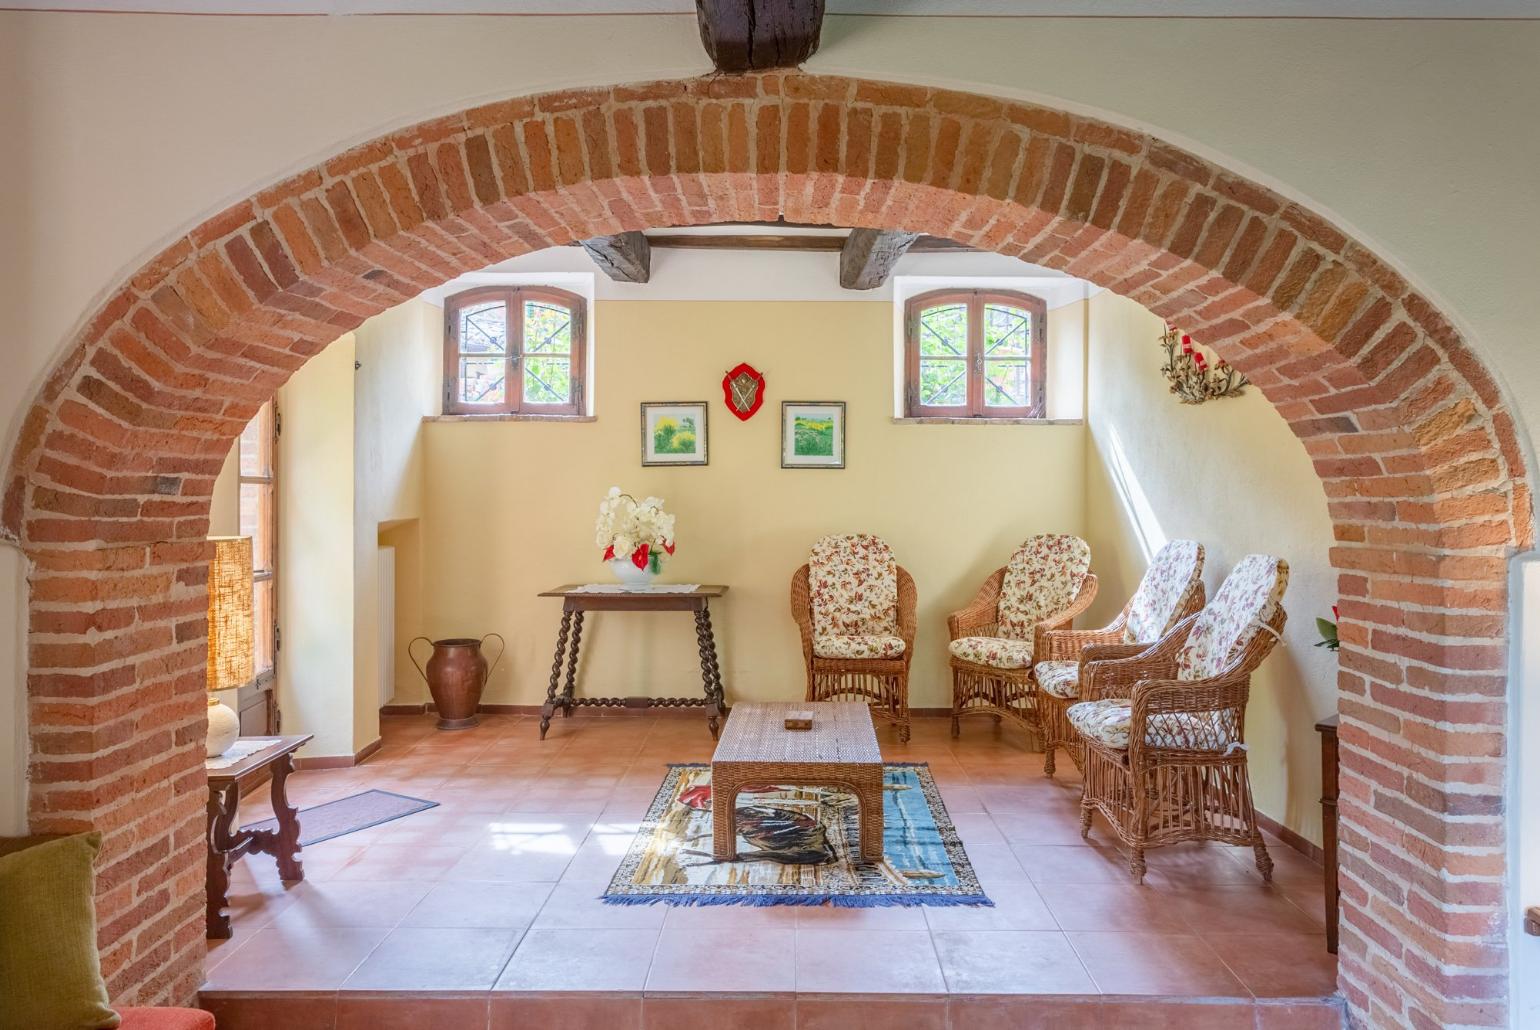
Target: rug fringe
(806,900)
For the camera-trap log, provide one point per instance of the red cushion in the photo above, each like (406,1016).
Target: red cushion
(165,1019)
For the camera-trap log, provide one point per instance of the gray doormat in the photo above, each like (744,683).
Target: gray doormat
(346,815)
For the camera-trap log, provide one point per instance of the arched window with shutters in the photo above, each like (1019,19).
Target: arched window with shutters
(514,350)
(975,354)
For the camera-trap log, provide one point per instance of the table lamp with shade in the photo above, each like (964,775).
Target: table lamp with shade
(231,660)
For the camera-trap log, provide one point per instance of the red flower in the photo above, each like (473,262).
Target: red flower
(1334,613)
(639,557)
(668,546)
(1198,360)
(609,553)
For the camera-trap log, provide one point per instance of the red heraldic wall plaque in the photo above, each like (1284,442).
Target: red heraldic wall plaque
(744,390)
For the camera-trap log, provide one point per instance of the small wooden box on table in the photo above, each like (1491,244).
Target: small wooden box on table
(227,845)
(840,751)
(578,599)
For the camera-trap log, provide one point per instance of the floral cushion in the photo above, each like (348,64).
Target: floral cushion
(1061,679)
(1167,586)
(996,652)
(1043,577)
(853,586)
(1108,722)
(1246,600)
(836,645)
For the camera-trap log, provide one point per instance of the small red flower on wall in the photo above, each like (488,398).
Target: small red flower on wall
(744,390)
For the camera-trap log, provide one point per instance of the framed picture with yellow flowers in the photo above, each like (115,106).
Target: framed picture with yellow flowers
(674,433)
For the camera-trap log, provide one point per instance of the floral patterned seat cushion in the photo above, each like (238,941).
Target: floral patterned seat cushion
(853,587)
(1163,593)
(1043,578)
(995,652)
(1246,601)
(842,645)
(1061,679)
(1110,721)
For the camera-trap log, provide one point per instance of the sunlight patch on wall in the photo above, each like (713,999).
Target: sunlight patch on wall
(1136,504)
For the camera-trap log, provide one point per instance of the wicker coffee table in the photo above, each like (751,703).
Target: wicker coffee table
(839,751)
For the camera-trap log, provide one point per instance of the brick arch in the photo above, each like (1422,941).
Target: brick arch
(108,488)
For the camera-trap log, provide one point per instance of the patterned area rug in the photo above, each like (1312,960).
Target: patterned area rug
(345,815)
(795,847)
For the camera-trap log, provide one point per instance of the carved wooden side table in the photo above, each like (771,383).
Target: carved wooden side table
(578,599)
(226,844)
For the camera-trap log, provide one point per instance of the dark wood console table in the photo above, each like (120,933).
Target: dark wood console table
(577,601)
(1328,729)
(227,845)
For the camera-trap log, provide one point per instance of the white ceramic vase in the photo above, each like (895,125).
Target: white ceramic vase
(629,575)
(224,727)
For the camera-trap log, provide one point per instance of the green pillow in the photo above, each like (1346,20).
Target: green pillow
(50,975)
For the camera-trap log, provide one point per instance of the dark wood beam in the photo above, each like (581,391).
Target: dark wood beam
(753,35)
(868,256)
(626,258)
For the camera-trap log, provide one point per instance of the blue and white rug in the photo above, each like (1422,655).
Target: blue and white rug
(796,846)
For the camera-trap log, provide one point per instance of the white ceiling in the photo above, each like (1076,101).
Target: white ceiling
(996,8)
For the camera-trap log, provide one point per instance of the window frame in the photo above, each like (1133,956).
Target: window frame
(270,422)
(975,300)
(513,298)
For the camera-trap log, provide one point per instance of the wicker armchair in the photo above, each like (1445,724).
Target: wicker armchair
(1170,590)
(1043,588)
(1164,731)
(855,609)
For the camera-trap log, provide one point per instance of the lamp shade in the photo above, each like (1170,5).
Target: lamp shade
(231,662)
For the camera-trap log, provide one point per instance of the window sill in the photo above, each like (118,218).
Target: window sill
(938,420)
(510,418)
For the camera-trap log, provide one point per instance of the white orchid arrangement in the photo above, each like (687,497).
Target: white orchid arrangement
(641,530)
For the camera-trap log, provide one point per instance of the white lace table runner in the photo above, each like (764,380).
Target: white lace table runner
(240,750)
(654,588)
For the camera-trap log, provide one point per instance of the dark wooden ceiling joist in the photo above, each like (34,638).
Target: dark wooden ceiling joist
(868,256)
(626,257)
(754,35)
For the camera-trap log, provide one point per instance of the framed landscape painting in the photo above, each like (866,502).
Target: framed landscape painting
(812,434)
(674,433)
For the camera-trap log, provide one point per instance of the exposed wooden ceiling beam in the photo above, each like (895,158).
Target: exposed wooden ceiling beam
(626,258)
(868,256)
(753,35)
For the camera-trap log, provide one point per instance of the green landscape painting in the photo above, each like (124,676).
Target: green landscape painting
(813,437)
(673,435)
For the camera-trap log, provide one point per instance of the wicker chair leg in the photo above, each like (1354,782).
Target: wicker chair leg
(1136,863)
(1085,820)
(1264,860)
(1048,749)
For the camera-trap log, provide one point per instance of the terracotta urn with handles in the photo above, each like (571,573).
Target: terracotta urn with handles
(456,675)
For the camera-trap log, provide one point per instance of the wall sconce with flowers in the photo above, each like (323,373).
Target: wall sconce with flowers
(1192,378)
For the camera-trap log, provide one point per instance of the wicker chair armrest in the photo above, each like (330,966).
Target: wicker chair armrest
(1110,653)
(802,610)
(1062,645)
(1216,708)
(1104,679)
(980,615)
(908,616)
(1066,618)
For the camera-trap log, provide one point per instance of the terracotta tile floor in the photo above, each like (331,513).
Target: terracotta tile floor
(495,891)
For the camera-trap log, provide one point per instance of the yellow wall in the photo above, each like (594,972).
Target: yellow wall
(1231,475)
(511,505)
(315,555)
(399,356)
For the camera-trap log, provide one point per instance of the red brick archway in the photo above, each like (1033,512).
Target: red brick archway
(108,490)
